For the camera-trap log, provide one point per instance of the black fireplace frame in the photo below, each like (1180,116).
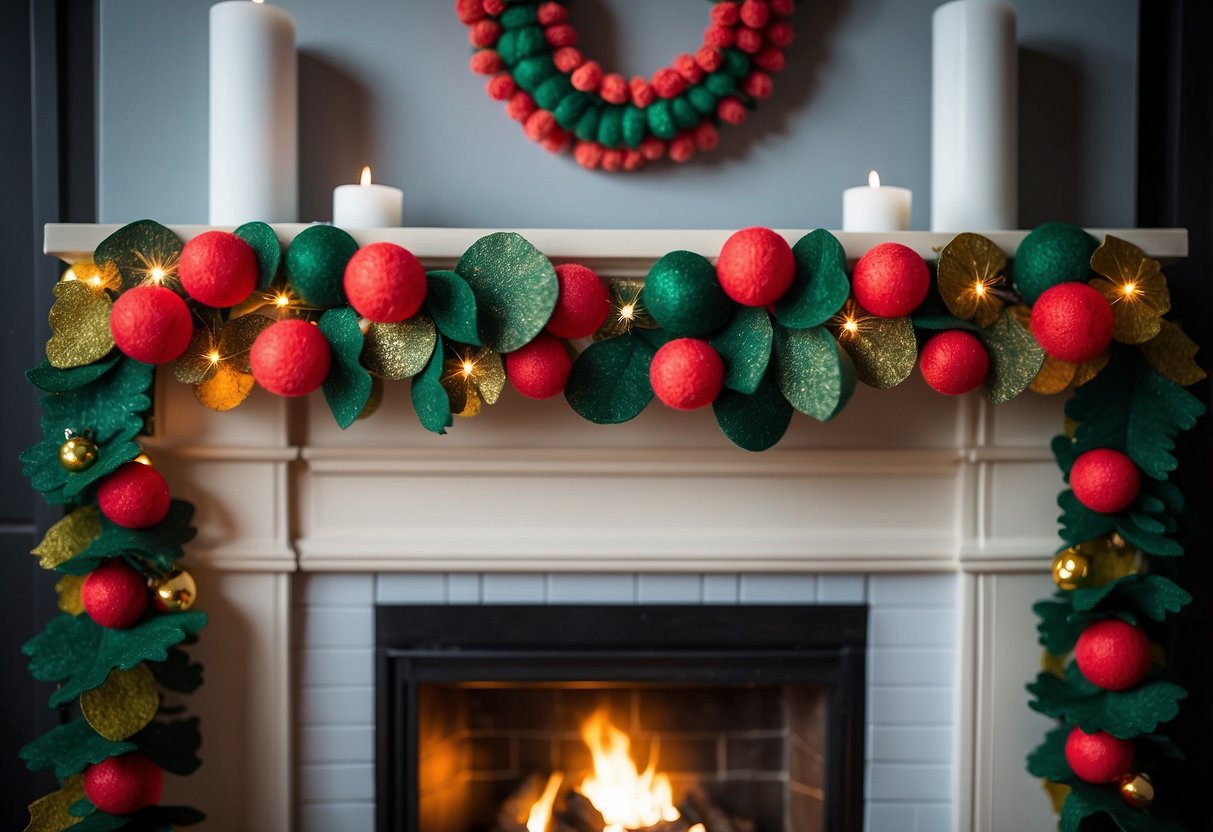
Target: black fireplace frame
(814,644)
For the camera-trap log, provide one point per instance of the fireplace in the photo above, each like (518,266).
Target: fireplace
(751,718)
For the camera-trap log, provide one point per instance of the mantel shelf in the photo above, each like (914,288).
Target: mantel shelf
(619,252)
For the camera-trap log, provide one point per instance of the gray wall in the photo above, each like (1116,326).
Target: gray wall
(386,82)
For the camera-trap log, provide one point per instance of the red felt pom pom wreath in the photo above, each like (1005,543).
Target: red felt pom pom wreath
(1098,757)
(123,785)
(540,369)
(1113,654)
(290,358)
(1105,480)
(1072,322)
(135,496)
(686,373)
(218,269)
(755,266)
(582,305)
(385,282)
(954,362)
(151,324)
(114,595)
(891,280)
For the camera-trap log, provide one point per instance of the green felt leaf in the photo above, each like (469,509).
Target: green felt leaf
(1079,523)
(609,383)
(51,379)
(47,476)
(1122,713)
(68,748)
(1151,595)
(347,387)
(815,374)
(98,821)
(885,351)
(820,287)
(452,304)
(1150,543)
(133,248)
(515,288)
(177,672)
(1048,760)
(1057,632)
(172,745)
(745,347)
(82,808)
(264,243)
(165,818)
(937,322)
(1015,358)
(754,422)
(159,546)
(1087,800)
(429,396)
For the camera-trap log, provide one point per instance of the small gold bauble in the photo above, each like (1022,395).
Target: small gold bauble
(1071,569)
(175,592)
(78,453)
(1136,789)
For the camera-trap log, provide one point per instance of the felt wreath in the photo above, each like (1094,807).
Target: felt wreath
(564,99)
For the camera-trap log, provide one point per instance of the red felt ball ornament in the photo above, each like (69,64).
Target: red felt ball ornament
(218,268)
(385,282)
(642,92)
(725,13)
(1113,654)
(954,362)
(151,324)
(614,89)
(134,496)
(500,87)
(1098,757)
(567,58)
(891,280)
(550,13)
(290,358)
(686,373)
(124,785)
(582,305)
(1105,480)
(755,266)
(1072,322)
(114,595)
(682,148)
(539,369)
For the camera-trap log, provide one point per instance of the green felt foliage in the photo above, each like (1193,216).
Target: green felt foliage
(177,672)
(134,247)
(347,387)
(1079,523)
(452,305)
(430,401)
(51,379)
(515,288)
(159,547)
(939,322)
(1048,760)
(745,348)
(816,376)
(754,422)
(264,243)
(101,822)
(1015,358)
(172,745)
(1057,631)
(820,287)
(68,748)
(1150,596)
(1086,801)
(1122,713)
(609,382)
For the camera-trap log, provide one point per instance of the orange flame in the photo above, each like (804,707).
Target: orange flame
(626,797)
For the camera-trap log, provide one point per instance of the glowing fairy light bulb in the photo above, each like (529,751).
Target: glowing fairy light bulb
(1129,289)
(467,368)
(282,300)
(627,312)
(850,325)
(980,289)
(213,357)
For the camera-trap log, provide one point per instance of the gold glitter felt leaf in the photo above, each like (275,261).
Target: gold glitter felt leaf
(1135,286)
(1055,376)
(1173,354)
(970,268)
(1015,358)
(1055,665)
(1111,559)
(884,350)
(68,588)
(68,537)
(374,400)
(488,375)
(236,340)
(465,401)
(1057,792)
(49,813)
(80,325)
(399,350)
(472,379)
(123,704)
(225,389)
(628,311)
(195,365)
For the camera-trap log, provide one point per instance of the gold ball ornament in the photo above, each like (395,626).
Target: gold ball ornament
(1136,789)
(77,453)
(1071,569)
(175,592)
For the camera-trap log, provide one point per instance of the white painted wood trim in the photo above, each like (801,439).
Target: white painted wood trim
(965,737)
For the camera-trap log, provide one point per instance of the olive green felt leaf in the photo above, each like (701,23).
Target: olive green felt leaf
(1086,801)
(347,387)
(172,745)
(1173,354)
(1048,760)
(816,376)
(68,748)
(138,247)
(159,546)
(51,812)
(745,347)
(80,325)
(51,379)
(177,672)
(428,395)
(754,422)
(264,243)
(1057,630)
(1135,287)
(969,267)
(124,704)
(1153,596)
(399,350)
(885,350)
(1122,713)
(68,537)
(1015,358)
(820,287)
(609,382)
(515,288)
(937,322)
(452,304)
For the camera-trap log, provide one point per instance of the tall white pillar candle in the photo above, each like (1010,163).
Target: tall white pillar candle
(254,114)
(367,205)
(974,124)
(876,207)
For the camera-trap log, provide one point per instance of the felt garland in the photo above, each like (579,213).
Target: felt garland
(785,330)
(565,99)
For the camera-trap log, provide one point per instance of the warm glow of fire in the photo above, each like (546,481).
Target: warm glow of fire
(541,812)
(626,797)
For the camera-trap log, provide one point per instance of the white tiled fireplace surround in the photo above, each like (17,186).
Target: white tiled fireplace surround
(938,512)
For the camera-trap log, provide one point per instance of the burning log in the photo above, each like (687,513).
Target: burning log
(699,808)
(515,810)
(575,810)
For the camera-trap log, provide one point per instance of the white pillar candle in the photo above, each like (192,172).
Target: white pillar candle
(366,205)
(254,171)
(974,124)
(876,207)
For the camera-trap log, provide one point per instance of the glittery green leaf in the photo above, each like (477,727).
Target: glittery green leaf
(159,547)
(1048,760)
(399,350)
(452,304)
(1153,596)
(885,350)
(68,537)
(80,325)
(348,385)
(745,347)
(68,748)
(754,422)
(1122,713)
(264,243)
(820,287)
(51,379)
(1087,800)
(609,383)
(136,247)
(1015,358)
(172,745)
(429,396)
(515,288)
(815,374)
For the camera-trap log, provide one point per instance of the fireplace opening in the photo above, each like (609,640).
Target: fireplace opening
(613,719)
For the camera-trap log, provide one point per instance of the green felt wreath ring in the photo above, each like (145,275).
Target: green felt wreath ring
(564,99)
